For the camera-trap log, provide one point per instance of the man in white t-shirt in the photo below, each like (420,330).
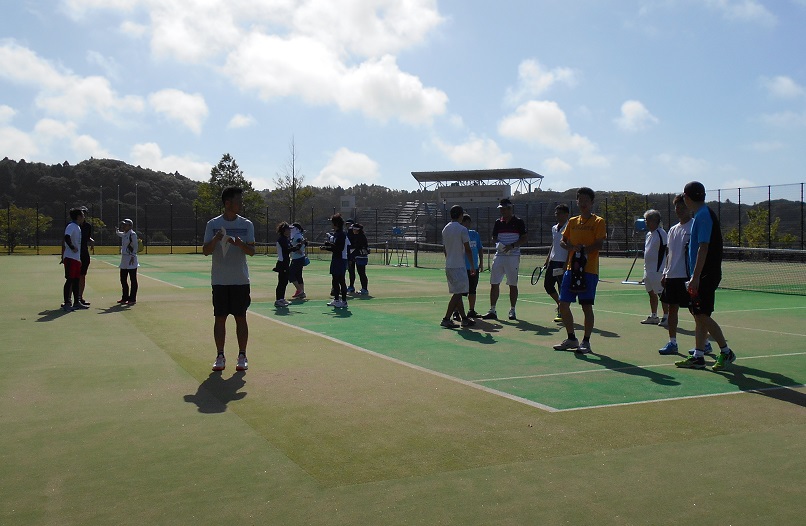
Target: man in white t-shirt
(230,238)
(557,258)
(456,245)
(128,262)
(71,259)
(677,272)
(654,263)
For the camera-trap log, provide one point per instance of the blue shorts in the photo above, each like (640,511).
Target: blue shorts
(585,298)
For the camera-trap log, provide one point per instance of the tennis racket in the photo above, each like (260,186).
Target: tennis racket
(537,273)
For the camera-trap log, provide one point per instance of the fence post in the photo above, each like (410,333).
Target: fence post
(769,216)
(37,228)
(145,237)
(171,213)
(740,217)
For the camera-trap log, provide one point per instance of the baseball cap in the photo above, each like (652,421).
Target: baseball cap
(504,203)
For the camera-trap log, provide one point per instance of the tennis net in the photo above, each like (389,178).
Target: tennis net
(779,271)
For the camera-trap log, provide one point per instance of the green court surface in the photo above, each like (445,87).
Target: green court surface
(377,415)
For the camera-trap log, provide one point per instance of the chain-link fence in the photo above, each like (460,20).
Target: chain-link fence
(764,217)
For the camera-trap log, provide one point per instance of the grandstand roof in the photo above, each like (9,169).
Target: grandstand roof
(500,174)
(521,177)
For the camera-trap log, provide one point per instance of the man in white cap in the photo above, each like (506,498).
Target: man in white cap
(128,262)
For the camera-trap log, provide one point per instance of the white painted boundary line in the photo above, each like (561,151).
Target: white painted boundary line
(140,274)
(617,369)
(412,366)
(753,391)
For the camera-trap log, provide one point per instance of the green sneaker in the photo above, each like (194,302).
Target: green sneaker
(691,363)
(723,360)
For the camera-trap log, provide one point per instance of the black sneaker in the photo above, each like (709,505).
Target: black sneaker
(467,322)
(456,316)
(473,314)
(85,303)
(491,315)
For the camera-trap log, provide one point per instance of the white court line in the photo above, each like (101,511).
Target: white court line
(444,376)
(139,274)
(750,391)
(617,369)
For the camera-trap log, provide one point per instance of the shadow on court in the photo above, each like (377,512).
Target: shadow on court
(774,385)
(215,392)
(627,368)
(50,315)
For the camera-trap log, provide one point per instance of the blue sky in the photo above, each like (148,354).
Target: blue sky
(616,95)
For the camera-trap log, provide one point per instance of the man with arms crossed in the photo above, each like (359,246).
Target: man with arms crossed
(509,233)
(585,232)
(705,260)
(230,238)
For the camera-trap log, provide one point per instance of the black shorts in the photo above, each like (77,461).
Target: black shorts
(85,264)
(231,299)
(473,282)
(675,293)
(295,270)
(551,282)
(338,267)
(706,296)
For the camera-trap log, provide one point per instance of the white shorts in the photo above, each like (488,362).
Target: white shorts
(505,266)
(652,281)
(458,282)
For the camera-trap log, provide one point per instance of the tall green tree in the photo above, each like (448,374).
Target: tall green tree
(289,193)
(226,173)
(20,226)
(759,232)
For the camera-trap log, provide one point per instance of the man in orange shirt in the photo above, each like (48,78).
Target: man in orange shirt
(583,236)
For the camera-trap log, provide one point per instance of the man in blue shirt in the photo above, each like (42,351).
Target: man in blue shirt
(705,260)
(476,262)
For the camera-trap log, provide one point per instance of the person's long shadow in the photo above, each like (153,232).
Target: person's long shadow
(50,315)
(627,368)
(215,392)
(471,335)
(776,385)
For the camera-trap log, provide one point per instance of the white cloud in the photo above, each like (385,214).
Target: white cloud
(241,121)
(784,119)
(555,165)
(322,51)
(149,155)
(635,117)
(347,168)
(543,124)
(744,11)
(108,64)
(783,87)
(17,144)
(185,108)
(684,164)
(477,152)
(6,114)
(534,80)
(766,147)
(62,92)
(133,29)
(304,67)
(51,134)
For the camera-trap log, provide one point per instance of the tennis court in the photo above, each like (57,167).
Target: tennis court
(376,414)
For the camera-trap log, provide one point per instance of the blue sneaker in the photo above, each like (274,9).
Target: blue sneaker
(669,348)
(708,349)
(350,289)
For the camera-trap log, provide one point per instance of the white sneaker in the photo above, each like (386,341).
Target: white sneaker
(242,363)
(512,314)
(220,363)
(332,303)
(651,320)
